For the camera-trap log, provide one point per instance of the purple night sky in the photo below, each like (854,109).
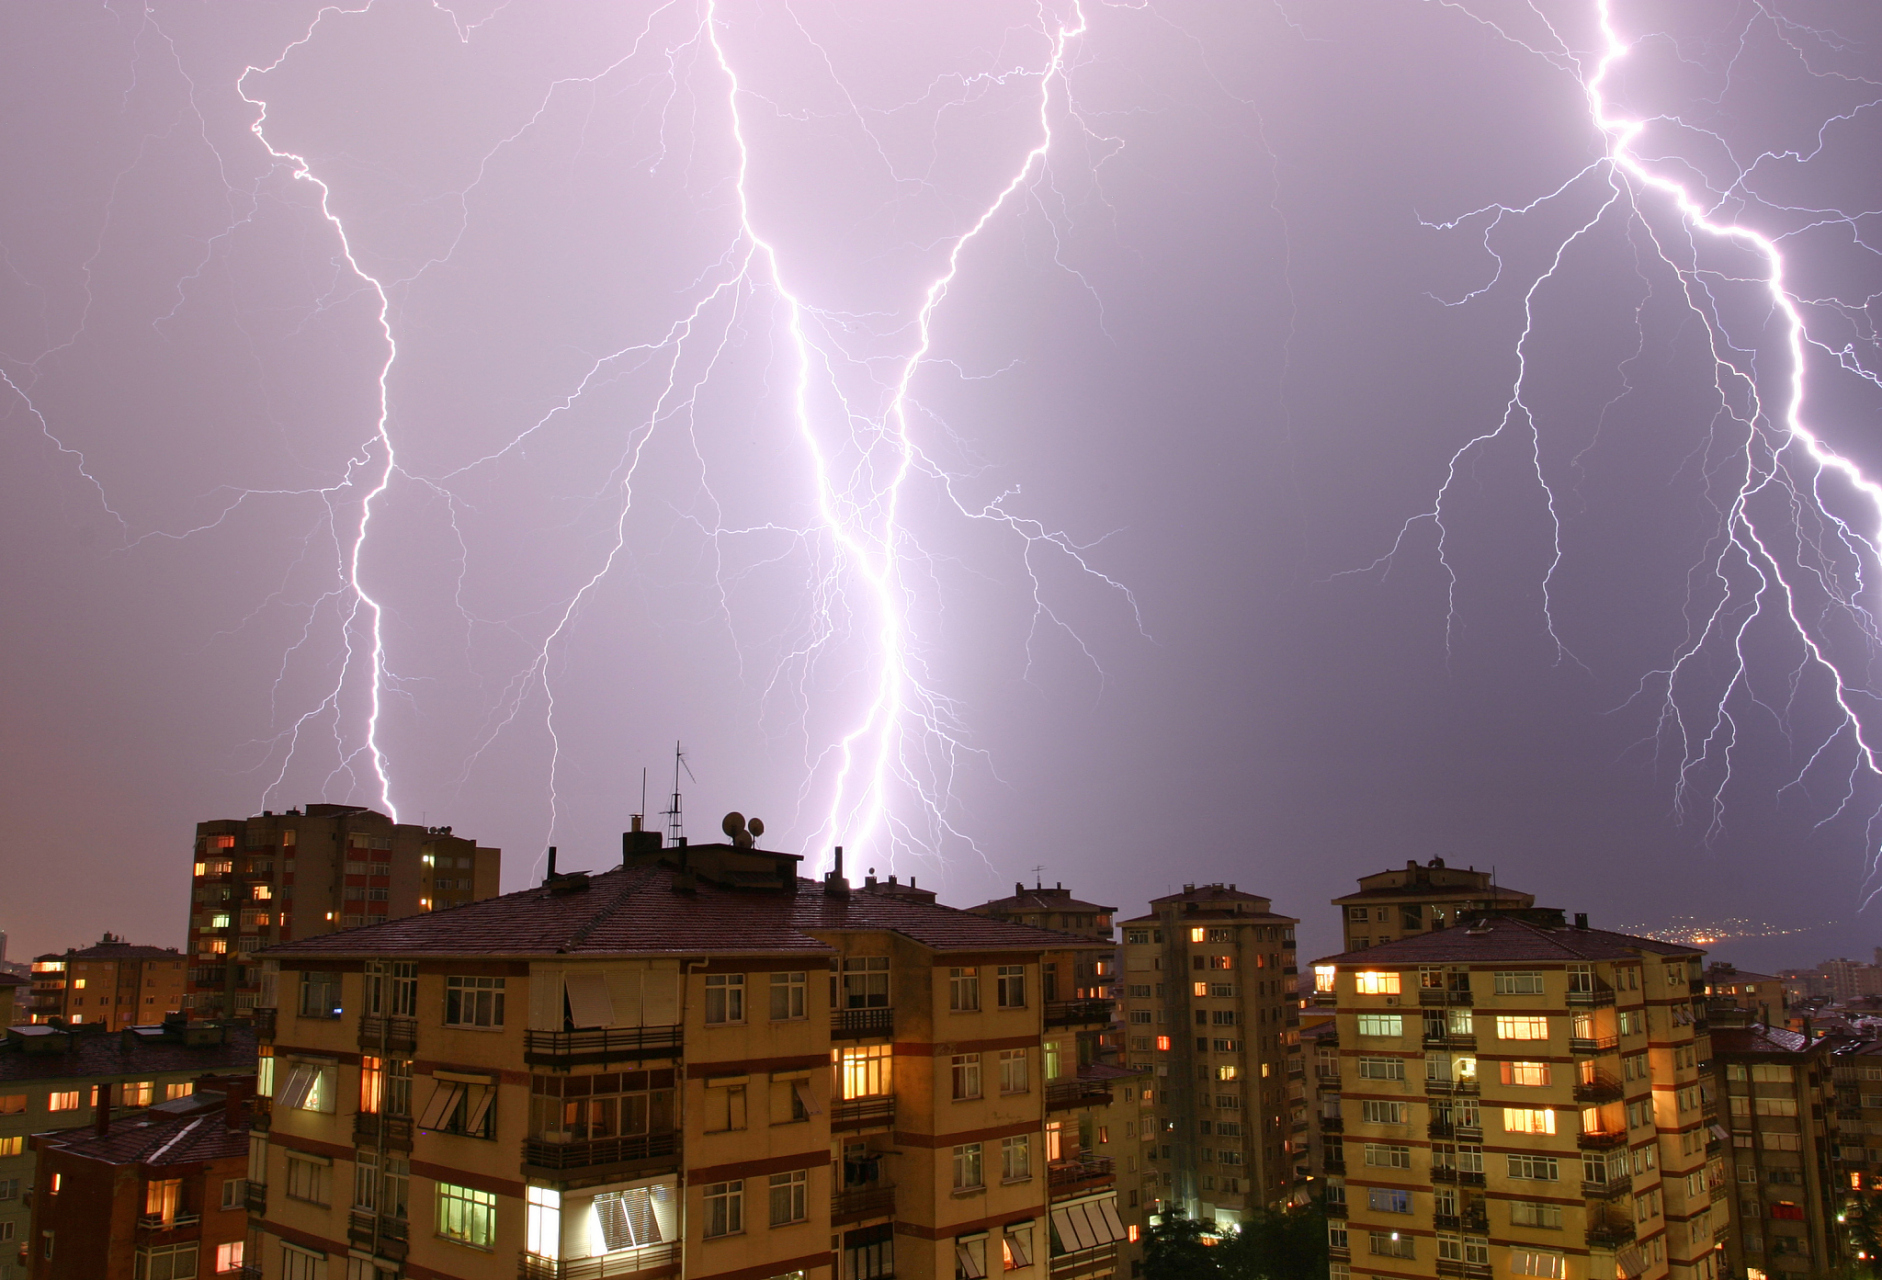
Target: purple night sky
(673,448)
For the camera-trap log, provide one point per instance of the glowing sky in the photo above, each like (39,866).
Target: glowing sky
(627,320)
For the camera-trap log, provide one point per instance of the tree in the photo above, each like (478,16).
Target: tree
(1277,1244)
(1174,1250)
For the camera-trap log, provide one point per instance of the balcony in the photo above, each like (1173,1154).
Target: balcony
(1451,1088)
(260,1114)
(1615,1190)
(1469,1178)
(388,1033)
(263,1020)
(1064,1013)
(862,1024)
(1332,1124)
(1333,1162)
(1601,1089)
(862,1113)
(1429,996)
(1078,1171)
(1601,1139)
(1064,1094)
(149,1223)
(869,1200)
(598,1047)
(1593,1044)
(1442,1129)
(255,1198)
(1443,1175)
(1599,996)
(1335,1209)
(1470,1133)
(594,1153)
(384,1234)
(1086,1264)
(376,1130)
(1610,1233)
(626,1262)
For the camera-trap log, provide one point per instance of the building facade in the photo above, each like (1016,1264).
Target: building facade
(1780,1094)
(1211,1009)
(1759,995)
(1521,1100)
(695,1064)
(53,1079)
(281,876)
(114,984)
(158,1195)
(1401,904)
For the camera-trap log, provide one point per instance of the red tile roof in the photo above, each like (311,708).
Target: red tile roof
(1758,1038)
(98,1055)
(638,911)
(160,1138)
(1037,899)
(1498,938)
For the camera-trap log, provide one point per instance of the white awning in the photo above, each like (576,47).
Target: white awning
(590,1005)
(1107,1209)
(444,1098)
(293,1095)
(1087,1225)
(481,1096)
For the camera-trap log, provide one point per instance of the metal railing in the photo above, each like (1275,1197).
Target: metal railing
(543,1154)
(1469,1178)
(393,1131)
(395,1033)
(263,1021)
(861,1024)
(626,1262)
(255,1197)
(1601,1138)
(876,1200)
(1600,996)
(1593,1044)
(1077,1093)
(175,1222)
(1092,1263)
(1066,1173)
(1443,996)
(1602,1088)
(862,1113)
(1609,1233)
(610,1044)
(1063,1012)
(1607,1190)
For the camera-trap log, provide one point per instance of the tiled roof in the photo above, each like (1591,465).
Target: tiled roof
(1497,938)
(12,980)
(102,1055)
(159,1138)
(115,951)
(637,910)
(1758,1038)
(1025,899)
(1470,891)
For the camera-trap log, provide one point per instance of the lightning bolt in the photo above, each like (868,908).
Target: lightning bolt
(1786,553)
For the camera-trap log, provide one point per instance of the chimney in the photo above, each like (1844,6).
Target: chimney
(1581,919)
(235,1102)
(101,1123)
(552,862)
(834,885)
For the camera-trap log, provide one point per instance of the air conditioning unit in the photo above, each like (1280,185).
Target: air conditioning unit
(1391,1000)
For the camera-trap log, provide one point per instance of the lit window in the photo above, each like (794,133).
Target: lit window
(1375,984)
(467,1215)
(1528,1120)
(1197,935)
(1534,1075)
(1513,1027)
(1382,1024)
(66,1100)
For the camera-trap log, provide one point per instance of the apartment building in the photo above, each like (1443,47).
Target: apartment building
(1092,975)
(160,1195)
(1780,1091)
(53,1078)
(281,876)
(696,1064)
(1210,1007)
(1521,1099)
(14,993)
(1399,904)
(1760,995)
(1857,1071)
(114,984)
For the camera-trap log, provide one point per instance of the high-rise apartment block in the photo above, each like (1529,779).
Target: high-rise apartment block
(1779,1089)
(1422,897)
(695,1064)
(1522,1099)
(114,983)
(1759,995)
(1210,1007)
(283,876)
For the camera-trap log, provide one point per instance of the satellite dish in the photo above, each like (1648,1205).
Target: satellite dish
(757,827)
(734,826)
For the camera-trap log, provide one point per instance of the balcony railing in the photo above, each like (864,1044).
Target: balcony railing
(593,1152)
(1442,1129)
(1610,1233)
(861,1024)
(1333,1162)
(255,1197)
(1600,996)
(391,1131)
(1601,1138)
(263,1020)
(1607,1190)
(1079,1169)
(1437,996)
(611,1044)
(177,1222)
(1469,1178)
(1077,1093)
(1335,1209)
(1443,1175)
(862,1113)
(1332,1124)
(1456,1088)
(1593,1044)
(1601,1089)
(260,1114)
(626,1262)
(1061,1013)
(1086,1264)
(853,1204)
(391,1032)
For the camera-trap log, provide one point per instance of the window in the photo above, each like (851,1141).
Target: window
(866,982)
(1534,1168)
(372,1084)
(1528,1120)
(963,990)
(1011,980)
(1771,1073)
(1382,1024)
(1533,1075)
(866,1072)
(967,1169)
(229,1256)
(310,1086)
(1016,1246)
(185,1088)
(1013,1071)
(1016,1158)
(1519,984)
(1323,975)
(1392,1244)
(966,1071)
(1376,984)
(1383,1112)
(161,1197)
(320,995)
(790,1197)
(725,998)
(725,1106)
(64,1100)
(13,1146)
(970,1257)
(1388,1200)
(14,1104)
(1381,1155)
(787,996)
(1534,1262)
(463,1106)
(1382,1068)
(725,1209)
(167,1262)
(1761,1106)
(467,1215)
(307,1180)
(1513,1027)
(474,1002)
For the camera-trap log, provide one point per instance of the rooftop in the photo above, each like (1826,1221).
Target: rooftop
(102,1055)
(112,947)
(188,1130)
(1721,972)
(1216,902)
(1497,938)
(649,910)
(1039,898)
(1758,1038)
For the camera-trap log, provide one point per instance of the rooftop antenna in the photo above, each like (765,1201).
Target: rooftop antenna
(1037,882)
(643,796)
(676,826)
